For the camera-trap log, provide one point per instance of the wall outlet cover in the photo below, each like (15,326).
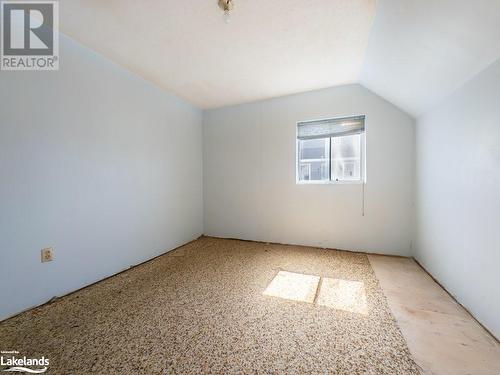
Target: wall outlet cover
(47,254)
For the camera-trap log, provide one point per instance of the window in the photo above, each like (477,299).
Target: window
(314,157)
(331,150)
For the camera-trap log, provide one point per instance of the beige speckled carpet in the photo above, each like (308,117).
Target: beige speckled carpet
(202,309)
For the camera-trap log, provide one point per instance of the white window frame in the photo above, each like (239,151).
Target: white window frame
(361,180)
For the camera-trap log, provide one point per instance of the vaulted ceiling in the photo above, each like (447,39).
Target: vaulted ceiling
(420,51)
(412,52)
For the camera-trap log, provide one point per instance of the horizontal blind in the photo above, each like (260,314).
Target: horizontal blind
(336,127)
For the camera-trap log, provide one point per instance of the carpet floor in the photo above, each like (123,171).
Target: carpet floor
(221,306)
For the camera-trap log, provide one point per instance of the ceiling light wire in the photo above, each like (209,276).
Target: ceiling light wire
(226,6)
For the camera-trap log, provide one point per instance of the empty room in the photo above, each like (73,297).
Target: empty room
(250,187)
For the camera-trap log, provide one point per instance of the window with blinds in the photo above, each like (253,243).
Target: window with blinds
(331,150)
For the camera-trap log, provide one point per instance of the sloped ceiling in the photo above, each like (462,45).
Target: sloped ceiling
(416,53)
(420,51)
(269,48)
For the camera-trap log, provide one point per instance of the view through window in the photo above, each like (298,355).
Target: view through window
(331,150)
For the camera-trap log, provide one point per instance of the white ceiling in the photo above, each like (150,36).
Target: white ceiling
(417,53)
(269,48)
(420,51)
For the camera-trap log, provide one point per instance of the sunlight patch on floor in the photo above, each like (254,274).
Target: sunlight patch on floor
(293,286)
(343,295)
(338,294)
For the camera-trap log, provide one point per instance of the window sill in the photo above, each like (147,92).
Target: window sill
(358,182)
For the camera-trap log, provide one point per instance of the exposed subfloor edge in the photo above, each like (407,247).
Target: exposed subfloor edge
(456,300)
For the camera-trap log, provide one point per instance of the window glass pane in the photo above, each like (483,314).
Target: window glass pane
(313,159)
(346,158)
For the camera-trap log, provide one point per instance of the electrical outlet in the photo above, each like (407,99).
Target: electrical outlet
(47,254)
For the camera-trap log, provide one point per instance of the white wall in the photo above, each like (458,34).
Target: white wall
(97,163)
(458,195)
(249,175)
